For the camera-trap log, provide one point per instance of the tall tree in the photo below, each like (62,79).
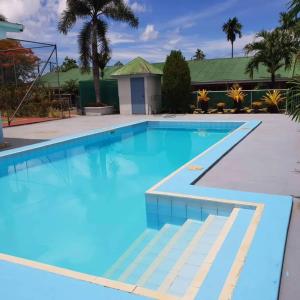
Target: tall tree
(286,21)
(17,64)
(274,50)
(232,29)
(199,55)
(104,58)
(294,8)
(68,64)
(293,104)
(92,38)
(176,83)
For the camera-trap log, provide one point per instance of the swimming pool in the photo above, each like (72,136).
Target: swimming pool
(76,205)
(79,203)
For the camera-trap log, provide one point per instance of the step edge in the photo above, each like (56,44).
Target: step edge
(126,254)
(210,258)
(164,252)
(172,274)
(144,252)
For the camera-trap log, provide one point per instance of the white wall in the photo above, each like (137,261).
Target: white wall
(124,95)
(153,94)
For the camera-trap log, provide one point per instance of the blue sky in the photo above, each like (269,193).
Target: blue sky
(164,25)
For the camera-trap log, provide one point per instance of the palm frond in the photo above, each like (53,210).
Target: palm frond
(274,49)
(294,7)
(84,41)
(79,7)
(67,21)
(75,9)
(118,10)
(293,103)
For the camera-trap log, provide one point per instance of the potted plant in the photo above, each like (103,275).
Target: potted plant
(221,106)
(203,98)
(273,98)
(238,96)
(257,105)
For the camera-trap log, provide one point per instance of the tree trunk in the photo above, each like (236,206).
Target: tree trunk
(231,49)
(272,80)
(95,64)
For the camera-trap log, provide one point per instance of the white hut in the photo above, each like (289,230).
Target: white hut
(139,85)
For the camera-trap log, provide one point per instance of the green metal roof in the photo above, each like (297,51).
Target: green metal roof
(137,66)
(205,71)
(50,79)
(229,70)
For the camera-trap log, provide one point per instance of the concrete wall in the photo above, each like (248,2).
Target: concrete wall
(124,95)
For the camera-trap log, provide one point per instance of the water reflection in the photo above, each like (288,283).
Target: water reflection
(81,207)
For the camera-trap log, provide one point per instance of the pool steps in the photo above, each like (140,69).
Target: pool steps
(179,261)
(186,268)
(212,287)
(137,246)
(145,258)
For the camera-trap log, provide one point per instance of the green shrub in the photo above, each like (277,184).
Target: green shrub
(176,84)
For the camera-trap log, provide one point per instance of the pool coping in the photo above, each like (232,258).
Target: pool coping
(188,174)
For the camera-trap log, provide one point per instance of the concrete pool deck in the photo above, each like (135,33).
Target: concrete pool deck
(268,162)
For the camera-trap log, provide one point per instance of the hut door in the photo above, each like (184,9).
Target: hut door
(138,95)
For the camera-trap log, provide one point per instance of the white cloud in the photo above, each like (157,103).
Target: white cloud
(190,20)
(62,4)
(219,46)
(119,38)
(136,6)
(149,33)
(16,10)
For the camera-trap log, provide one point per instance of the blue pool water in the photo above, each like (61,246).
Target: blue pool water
(82,205)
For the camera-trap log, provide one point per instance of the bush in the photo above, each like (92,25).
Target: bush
(176,84)
(37,105)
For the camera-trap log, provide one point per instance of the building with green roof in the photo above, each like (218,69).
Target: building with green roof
(139,87)
(138,66)
(212,74)
(220,73)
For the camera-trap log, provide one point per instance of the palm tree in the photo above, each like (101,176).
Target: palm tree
(287,21)
(293,106)
(294,8)
(92,38)
(232,28)
(294,25)
(104,57)
(274,49)
(199,55)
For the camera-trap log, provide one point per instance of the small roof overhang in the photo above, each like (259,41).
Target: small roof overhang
(9,27)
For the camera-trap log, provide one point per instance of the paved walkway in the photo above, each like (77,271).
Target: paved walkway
(267,161)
